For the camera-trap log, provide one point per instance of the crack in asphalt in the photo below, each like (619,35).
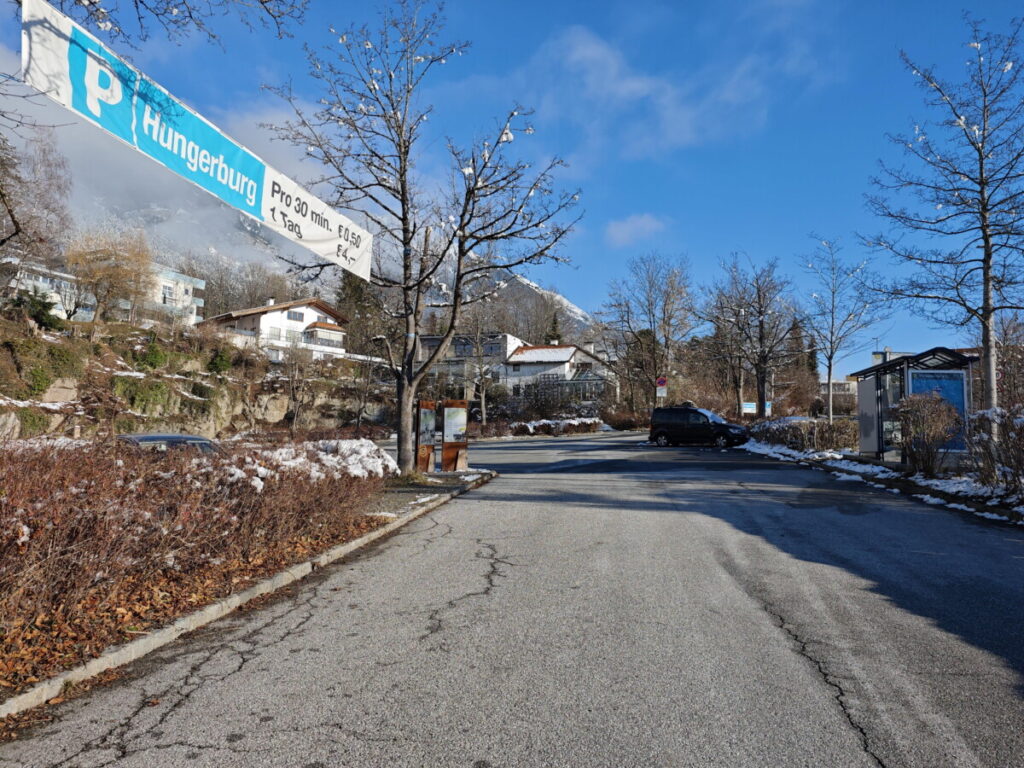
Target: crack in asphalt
(835,683)
(118,738)
(488,552)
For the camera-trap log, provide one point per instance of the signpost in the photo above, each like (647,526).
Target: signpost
(661,390)
(77,71)
(454,446)
(426,426)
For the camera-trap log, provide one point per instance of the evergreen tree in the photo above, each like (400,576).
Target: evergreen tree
(555,331)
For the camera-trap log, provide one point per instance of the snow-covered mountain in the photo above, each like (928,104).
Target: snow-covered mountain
(575,321)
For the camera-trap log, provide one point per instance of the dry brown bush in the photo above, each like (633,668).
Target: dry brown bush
(99,542)
(927,423)
(1000,461)
(808,435)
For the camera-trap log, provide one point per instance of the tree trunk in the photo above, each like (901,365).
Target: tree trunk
(406,426)
(738,385)
(483,407)
(761,378)
(989,354)
(829,384)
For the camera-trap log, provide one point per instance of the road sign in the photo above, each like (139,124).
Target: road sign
(750,408)
(661,389)
(77,71)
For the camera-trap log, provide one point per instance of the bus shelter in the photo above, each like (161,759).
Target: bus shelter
(881,387)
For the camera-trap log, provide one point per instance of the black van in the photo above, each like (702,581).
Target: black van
(682,424)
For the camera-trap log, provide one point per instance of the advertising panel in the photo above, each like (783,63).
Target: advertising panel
(76,70)
(951,386)
(454,425)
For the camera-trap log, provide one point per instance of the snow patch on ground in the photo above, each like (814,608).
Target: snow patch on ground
(847,477)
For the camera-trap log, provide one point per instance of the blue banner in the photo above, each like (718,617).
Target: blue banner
(128,104)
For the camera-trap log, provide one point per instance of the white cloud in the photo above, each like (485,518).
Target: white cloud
(600,97)
(628,231)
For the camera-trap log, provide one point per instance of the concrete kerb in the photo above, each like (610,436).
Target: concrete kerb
(136,649)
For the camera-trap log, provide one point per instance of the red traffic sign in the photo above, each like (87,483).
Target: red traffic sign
(662,381)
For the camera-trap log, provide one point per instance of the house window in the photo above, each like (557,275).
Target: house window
(515,367)
(323,319)
(298,316)
(516,390)
(274,334)
(168,294)
(293,337)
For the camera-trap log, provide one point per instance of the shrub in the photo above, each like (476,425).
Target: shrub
(154,356)
(808,435)
(32,422)
(38,307)
(927,424)
(625,419)
(98,542)
(221,361)
(39,380)
(999,460)
(143,395)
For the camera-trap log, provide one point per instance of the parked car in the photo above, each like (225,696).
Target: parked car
(161,442)
(685,425)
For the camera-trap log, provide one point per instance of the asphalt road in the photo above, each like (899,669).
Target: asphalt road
(604,604)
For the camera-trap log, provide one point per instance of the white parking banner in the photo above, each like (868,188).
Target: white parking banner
(77,71)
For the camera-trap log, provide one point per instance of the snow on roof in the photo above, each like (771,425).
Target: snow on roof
(550,353)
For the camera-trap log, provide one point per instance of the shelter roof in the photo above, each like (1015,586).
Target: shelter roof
(936,357)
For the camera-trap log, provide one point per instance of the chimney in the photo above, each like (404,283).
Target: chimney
(887,354)
(270,301)
(588,346)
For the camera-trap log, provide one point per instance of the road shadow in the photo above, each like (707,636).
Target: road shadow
(963,573)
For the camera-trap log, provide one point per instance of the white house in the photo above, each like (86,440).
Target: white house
(306,324)
(469,358)
(575,371)
(172,295)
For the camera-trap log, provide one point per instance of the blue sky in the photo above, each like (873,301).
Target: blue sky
(694,128)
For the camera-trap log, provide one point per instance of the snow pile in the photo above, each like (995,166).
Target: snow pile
(962,485)
(780,452)
(327,458)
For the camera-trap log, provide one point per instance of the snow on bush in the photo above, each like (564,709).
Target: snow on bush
(556,426)
(84,529)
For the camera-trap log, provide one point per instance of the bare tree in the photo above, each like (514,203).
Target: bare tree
(134,19)
(838,312)
(297,367)
(231,286)
(440,247)
(115,267)
(35,184)
(754,314)
(965,195)
(482,364)
(651,313)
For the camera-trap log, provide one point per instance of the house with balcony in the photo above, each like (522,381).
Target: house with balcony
(563,370)
(171,297)
(312,325)
(469,357)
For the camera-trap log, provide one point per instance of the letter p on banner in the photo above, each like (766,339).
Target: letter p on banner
(77,71)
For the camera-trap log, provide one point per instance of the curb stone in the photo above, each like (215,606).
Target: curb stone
(124,654)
